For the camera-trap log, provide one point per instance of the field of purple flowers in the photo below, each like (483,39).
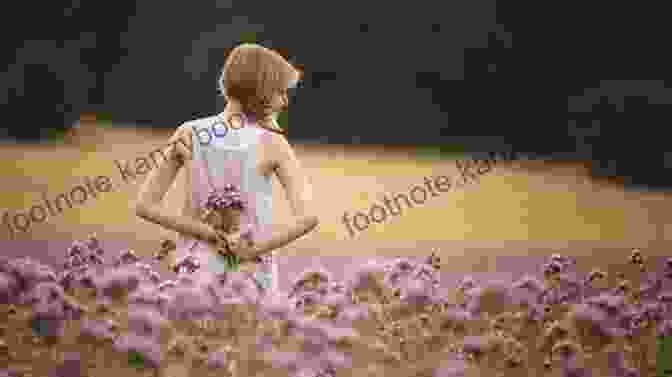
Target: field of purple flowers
(102,315)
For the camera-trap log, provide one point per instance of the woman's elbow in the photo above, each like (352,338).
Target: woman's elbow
(141,210)
(312,222)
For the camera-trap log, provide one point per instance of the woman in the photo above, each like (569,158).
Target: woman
(243,146)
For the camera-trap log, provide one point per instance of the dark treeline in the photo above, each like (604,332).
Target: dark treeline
(412,73)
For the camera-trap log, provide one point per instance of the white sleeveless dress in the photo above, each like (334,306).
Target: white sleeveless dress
(224,154)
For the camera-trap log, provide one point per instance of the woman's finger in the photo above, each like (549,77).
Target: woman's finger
(223,240)
(221,235)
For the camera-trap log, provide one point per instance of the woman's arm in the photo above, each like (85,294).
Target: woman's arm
(299,193)
(148,205)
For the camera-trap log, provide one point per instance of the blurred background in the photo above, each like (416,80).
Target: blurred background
(393,92)
(576,83)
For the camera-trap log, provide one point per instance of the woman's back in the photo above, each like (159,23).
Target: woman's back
(254,80)
(229,150)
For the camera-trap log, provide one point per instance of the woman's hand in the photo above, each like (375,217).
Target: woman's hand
(235,243)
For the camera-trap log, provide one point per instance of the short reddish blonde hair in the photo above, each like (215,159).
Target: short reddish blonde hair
(253,74)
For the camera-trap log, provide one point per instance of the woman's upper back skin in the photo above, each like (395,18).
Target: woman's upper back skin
(268,154)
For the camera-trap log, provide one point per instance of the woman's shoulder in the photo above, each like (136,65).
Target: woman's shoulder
(181,138)
(275,141)
(190,125)
(180,144)
(187,128)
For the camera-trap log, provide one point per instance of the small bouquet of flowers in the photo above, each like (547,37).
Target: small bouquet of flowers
(222,210)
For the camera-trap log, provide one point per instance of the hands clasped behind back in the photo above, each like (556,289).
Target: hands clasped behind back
(236,243)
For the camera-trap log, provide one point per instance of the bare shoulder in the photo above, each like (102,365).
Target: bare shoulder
(180,143)
(280,146)
(183,131)
(281,151)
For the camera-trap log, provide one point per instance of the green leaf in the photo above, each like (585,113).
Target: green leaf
(283,120)
(664,356)
(136,360)
(232,262)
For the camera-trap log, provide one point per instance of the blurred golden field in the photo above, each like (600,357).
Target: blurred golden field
(512,210)
(527,209)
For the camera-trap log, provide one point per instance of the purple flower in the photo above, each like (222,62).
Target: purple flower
(364,276)
(403,264)
(530,283)
(189,302)
(454,319)
(117,281)
(664,329)
(48,319)
(353,313)
(651,286)
(592,321)
(665,297)
(166,284)
(417,292)
(274,306)
(77,248)
(217,360)
(154,277)
(145,322)
(668,268)
(266,259)
(559,258)
(188,264)
(424,271)
(609,303)
(126,257)
(616,362)
(466,283)
(76,260)
(97,328)
(8,287)
(149,350)
(72,366)
(451,368)
(228,197)
(653,311)
(475,344)
(306,298)
(336,287)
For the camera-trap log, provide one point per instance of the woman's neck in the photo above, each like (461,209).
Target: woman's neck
(234,107)
(232,113)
